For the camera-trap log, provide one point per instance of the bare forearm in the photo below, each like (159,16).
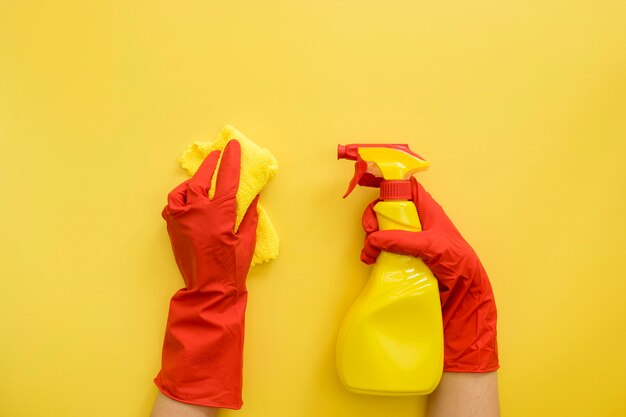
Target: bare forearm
(167,407)
(465,395)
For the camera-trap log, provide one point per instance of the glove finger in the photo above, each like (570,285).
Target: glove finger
(247,232)
(200,183)
(368,259)
(368,220)
(428,210)
(399,241)
(369,253)
(247,227)
(177,198)
(229,171)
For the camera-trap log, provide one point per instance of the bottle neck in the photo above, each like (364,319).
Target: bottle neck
(395,190)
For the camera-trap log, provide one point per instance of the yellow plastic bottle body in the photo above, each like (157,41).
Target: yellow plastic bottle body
(391,340)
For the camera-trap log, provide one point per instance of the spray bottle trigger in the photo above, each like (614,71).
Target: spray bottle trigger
(360,168)
(370,180)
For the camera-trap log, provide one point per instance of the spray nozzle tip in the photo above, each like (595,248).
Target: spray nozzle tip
(341,152)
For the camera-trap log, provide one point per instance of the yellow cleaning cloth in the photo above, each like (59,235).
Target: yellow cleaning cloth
(258,167)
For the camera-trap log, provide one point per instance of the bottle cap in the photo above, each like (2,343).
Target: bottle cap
(395,190)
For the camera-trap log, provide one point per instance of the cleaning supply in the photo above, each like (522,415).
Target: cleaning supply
(258,167)
(467,301)
(203,348)
(391,340)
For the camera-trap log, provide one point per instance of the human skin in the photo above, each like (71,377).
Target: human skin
(462,394)
(459,394)
(164,406)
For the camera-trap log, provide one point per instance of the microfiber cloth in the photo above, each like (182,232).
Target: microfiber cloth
(258,167)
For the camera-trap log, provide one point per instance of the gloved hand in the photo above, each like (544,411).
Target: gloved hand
(467,302)
(203,347)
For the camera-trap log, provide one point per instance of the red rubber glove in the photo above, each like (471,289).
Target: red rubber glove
(203,347)
(467,302)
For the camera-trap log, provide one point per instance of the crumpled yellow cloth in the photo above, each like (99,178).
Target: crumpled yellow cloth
(258,167)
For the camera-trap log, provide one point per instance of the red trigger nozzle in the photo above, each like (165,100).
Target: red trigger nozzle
(360,168)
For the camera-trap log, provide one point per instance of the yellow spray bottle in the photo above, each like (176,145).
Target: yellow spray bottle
(391,340)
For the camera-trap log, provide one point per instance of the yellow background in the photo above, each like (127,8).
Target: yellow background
(520,106)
